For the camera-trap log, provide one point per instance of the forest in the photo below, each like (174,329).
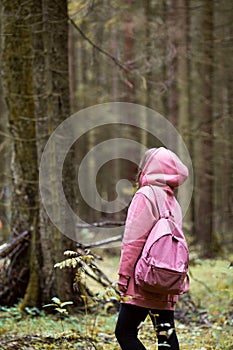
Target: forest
(86,86)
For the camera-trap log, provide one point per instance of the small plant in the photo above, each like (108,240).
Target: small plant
(32,311)
(13,312)
(75,261)
(59,306)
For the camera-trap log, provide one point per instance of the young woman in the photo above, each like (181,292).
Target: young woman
(160,171)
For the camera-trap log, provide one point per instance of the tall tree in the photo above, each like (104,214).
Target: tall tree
(171,67)
(128,48)
(183,88)
(223,130)
(5,150)
(202,114)
(51,88)
(18,89)
(183,69)
(35,75)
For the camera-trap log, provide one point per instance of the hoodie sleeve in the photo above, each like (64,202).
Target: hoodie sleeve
(140,220)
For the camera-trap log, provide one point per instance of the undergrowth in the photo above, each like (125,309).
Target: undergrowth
(204,318)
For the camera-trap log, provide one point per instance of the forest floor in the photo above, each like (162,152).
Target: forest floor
(204,318)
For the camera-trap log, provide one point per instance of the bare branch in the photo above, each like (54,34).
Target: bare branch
(106,53)
(101,224)
(102,242)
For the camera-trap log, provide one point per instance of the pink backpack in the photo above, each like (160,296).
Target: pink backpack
(163,264)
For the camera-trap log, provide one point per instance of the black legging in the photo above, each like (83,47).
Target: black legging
(130,316)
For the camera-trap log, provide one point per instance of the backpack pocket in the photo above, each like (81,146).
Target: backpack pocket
(160,280)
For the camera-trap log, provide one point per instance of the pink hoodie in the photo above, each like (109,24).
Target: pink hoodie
(162,172)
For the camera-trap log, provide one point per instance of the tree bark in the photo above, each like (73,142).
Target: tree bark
(18,88)
(205,207)
(172,100)
(51,86)
(183,88)
(5,150)
(35,73)
(128,49)
(223,130)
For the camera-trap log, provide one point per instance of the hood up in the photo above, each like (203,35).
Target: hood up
(163,167)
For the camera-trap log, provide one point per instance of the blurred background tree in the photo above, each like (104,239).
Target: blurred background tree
(177,57)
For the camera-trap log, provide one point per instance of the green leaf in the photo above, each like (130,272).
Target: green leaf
(47,305)
(61,311)
(66,303)
(70,253)
(56,300)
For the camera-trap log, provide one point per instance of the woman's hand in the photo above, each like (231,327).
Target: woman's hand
(122,288)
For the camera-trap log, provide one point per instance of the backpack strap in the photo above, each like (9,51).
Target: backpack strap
(187,283)
(157,205)
(163,213)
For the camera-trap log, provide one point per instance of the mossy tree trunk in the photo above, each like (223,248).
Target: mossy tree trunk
(5,150)
(18,89)
(51,88)
(35,75)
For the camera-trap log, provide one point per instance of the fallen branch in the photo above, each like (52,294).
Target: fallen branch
(29,338)
(99,243)
(104,241)
(9,247)
(96,274)
(101,224)
(187,311)
(17,342)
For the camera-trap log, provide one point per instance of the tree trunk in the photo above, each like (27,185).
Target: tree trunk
(18,88)
(183,123)
(51,84)
(205,207)
(35,72)
(72,67)
(171,67)
(128,48)
(183,70)
(223,129)
(5,150)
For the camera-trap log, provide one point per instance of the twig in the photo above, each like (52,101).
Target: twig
(26,337)
(106,53)
(201,282)
(93,271)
